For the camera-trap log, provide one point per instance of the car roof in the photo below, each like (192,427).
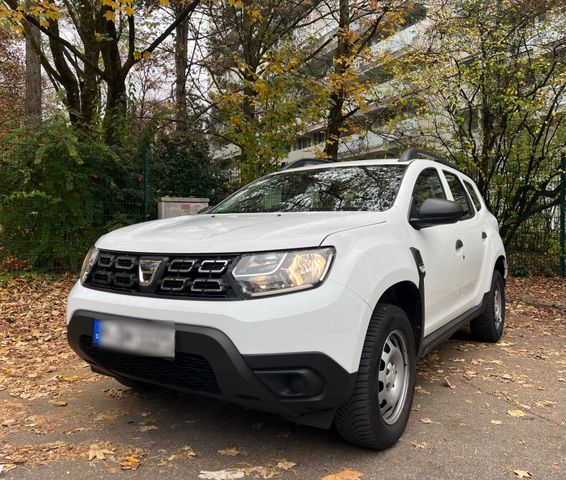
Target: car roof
(367,163)
(425,162)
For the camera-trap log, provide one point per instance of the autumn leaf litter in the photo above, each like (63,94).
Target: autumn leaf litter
(36,365)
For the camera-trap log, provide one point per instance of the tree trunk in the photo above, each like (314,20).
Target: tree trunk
(335,119)
(181,66)
(33,74)
(115,111)
(116,91)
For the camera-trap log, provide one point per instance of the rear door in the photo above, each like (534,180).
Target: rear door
(442,253)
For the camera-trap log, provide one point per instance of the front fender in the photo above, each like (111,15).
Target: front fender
(369,260)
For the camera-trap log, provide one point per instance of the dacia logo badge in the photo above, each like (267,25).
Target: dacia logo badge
(147,270)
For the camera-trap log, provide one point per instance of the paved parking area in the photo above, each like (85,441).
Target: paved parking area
(480,412)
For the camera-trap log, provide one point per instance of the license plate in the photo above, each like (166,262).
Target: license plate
(152,339)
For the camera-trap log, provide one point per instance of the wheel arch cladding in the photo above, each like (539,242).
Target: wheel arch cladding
(501,266)
(407,297)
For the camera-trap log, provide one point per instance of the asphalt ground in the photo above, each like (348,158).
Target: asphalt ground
(481,411)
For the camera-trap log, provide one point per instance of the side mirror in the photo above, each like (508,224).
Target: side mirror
(437,211)
(205,209)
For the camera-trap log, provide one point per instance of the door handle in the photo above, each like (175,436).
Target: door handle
(483,235)
(459,244)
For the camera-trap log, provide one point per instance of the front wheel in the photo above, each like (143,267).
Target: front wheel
(377,413)
(488,327)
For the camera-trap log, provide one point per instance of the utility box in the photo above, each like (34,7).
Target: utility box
(168,207)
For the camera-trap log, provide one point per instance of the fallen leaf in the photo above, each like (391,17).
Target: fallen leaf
(7,467)
(285,465)
(188,452)
(516,413)
(261,471)
(421,445)
(229,452)
(347,474)
(230,474)
(426,420)
(95,452)
(522,474)
(147,428)
(497,422)
(131,462)
(545,403)
(448,384)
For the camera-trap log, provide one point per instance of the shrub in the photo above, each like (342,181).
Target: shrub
(61,189)
(180,166)
(54,199)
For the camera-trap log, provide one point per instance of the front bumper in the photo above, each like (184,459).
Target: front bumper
(330,319)
(306,387)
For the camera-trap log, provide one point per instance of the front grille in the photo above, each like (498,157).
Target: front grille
(173,276)
(187,371)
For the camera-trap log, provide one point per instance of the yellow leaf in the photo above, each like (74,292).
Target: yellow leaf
(146,55)
(347,474)
(131,462)
(129,11)
(522,474)
(110,15)
(164,3)
(137,56)
(420,445)
(516,413)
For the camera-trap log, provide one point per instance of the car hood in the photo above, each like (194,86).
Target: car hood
(231,233)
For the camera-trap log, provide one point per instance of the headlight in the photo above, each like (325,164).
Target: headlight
(271,273)
(88,263)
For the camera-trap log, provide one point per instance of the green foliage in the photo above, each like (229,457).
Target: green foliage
(46,206)
(267,108)
(486,82)
(180,166)
(520,270)
(61,189)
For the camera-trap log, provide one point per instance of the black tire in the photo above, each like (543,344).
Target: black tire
(360,420)
(488,327)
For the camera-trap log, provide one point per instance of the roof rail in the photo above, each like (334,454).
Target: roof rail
(417,153)
(303,162)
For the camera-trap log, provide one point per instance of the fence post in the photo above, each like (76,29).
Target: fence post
(145,184)
(562,213)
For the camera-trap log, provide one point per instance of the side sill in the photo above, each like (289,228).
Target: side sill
(446,331)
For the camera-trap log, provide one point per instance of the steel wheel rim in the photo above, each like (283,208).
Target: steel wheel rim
(498,308)
(393,377)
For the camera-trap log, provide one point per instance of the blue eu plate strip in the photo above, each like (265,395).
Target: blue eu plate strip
(97,332)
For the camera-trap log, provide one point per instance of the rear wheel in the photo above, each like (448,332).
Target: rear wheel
(377,413)
(489,326)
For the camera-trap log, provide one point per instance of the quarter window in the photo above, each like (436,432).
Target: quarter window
(459,194)
(473,195)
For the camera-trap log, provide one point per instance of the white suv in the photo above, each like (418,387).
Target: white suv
(309,293)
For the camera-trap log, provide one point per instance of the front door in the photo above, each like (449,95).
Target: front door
(442,251)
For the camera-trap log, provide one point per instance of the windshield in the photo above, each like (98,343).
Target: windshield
(367,188)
